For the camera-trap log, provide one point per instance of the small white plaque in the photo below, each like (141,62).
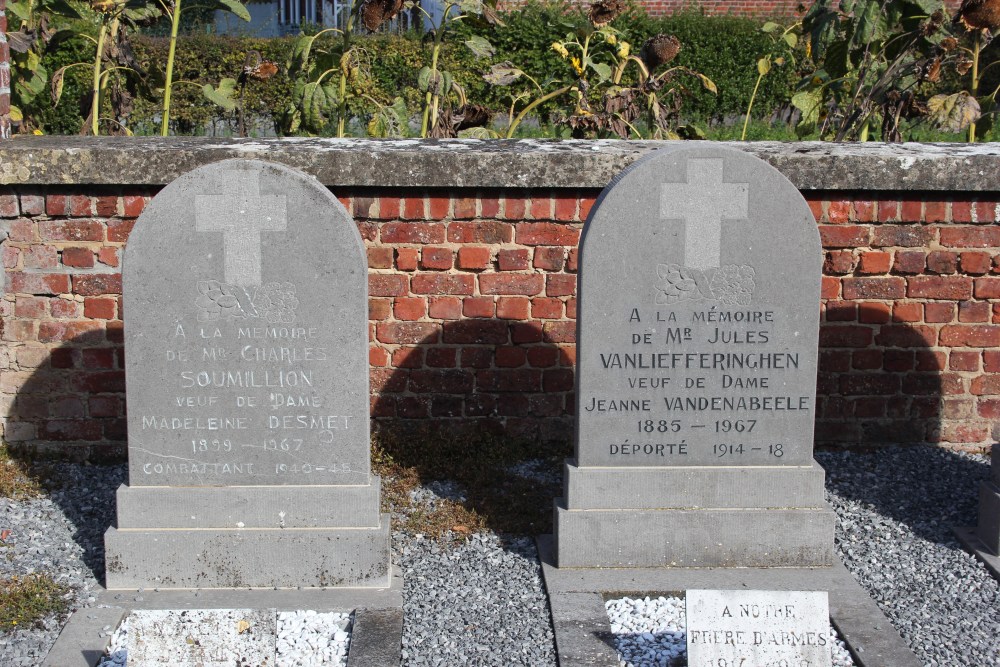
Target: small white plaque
(758,629)
(202,637)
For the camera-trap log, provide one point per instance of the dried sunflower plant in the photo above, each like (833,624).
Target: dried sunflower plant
(979,19)
(605,102)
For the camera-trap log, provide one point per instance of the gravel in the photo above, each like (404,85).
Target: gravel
(480,600)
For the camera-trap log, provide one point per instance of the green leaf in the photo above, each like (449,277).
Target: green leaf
(503,74)
(21,10)
(235,7)
(868,25)
(480,47)
(15,114)
(953,113)
(478,133)
(764,65)
(446,82)
(707,83)
(223,95)
(56,87)
(770,26)
(424,79)
(63,8)
(809,103)
(791,39)
(602,70)
(471,6)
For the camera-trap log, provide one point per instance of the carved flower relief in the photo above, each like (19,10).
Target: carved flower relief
(277,302)
(732,285)
(216,300)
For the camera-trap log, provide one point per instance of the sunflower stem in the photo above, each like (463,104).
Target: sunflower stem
(974,85)
(95,101)
(175,22)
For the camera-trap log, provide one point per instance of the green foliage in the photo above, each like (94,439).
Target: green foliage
(25,601)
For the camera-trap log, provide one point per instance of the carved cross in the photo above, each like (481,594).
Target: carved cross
(703,202)
(241,217)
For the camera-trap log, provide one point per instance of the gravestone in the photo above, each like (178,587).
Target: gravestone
(246,347)
(200,638)
(699,295)
(744,628)
(989,506)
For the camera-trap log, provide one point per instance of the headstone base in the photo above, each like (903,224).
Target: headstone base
(248,557)
(694,517)
(989,506)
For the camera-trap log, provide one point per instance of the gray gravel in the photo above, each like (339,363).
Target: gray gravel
(480,601)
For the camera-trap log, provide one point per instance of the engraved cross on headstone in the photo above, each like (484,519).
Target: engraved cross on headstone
(703,203)
(241,217)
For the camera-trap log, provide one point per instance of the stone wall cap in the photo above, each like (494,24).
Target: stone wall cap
(472,163)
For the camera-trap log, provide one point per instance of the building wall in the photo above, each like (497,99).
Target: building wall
(472,307)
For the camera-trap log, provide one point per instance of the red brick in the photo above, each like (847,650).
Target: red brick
(515,207)
(558,379)
(540,208)
(445,308)
(939,287)
(408,357)
(510,380)
(935,211)
(70,429)
(985,385)
(437,283)
(56,205)
(866,384)
(941,261)
(987,288)
(407,259)
(64,308)
(438,259)
(912,210)
(439,207)
(413,232)
(32,204)
(904,236)
(841,311)
(407,333)
(571,308)
(983,335)
(546,233)
(95,284)
(874,313)
(898,360)
(379,309)
(489,207)
(409,308)
(104,406)
(866,359)
(989,408)
(476,357)
(543,308)
(874,262)
(8,206)
(996,313)
(118,230)
(888,210)
(478,307)
(838,262)
(844,336)
(910,261)
(108,256)
(816,206)
(98,357)
(890,287)
(441,381)
(106,206)
(976,262)
(80,205)
(939,312)
(985,212)
(543,357)
(30,307)
(99,309)
(52,332)
(559,332)
(550,258)
(472,258)
(511,283)
(838,211)
(510,357)
(378,356)
(907,312)
(132,206)
(387,380)
(489,232)
(478,332)
(526,332)
(963,361)
(70,230)
(560,285)
(991,361)
(573,260)
(565,207)
(442,357)
(974,311)
(514,259)
(513,308)
(380,258)
(865,211)
(586,204)
(78,257)
(22,231)
(41,257)
(831,288)
(970,237)
(387,285)
(900,335)
(412,208)
(39,283)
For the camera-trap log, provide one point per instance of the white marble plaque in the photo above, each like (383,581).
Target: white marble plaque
(202,637)
(758,629)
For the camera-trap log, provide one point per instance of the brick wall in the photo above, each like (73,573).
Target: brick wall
(472,310)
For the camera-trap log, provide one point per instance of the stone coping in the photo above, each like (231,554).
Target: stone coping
(470,163)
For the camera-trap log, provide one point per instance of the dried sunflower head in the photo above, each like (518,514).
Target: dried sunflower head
(376,12)
(659,50)
(604,12)
(979,15)
(949,44)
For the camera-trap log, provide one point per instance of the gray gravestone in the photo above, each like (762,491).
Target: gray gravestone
(989,506)
(697,338)
(202,638)
(751,628)
(246,301)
